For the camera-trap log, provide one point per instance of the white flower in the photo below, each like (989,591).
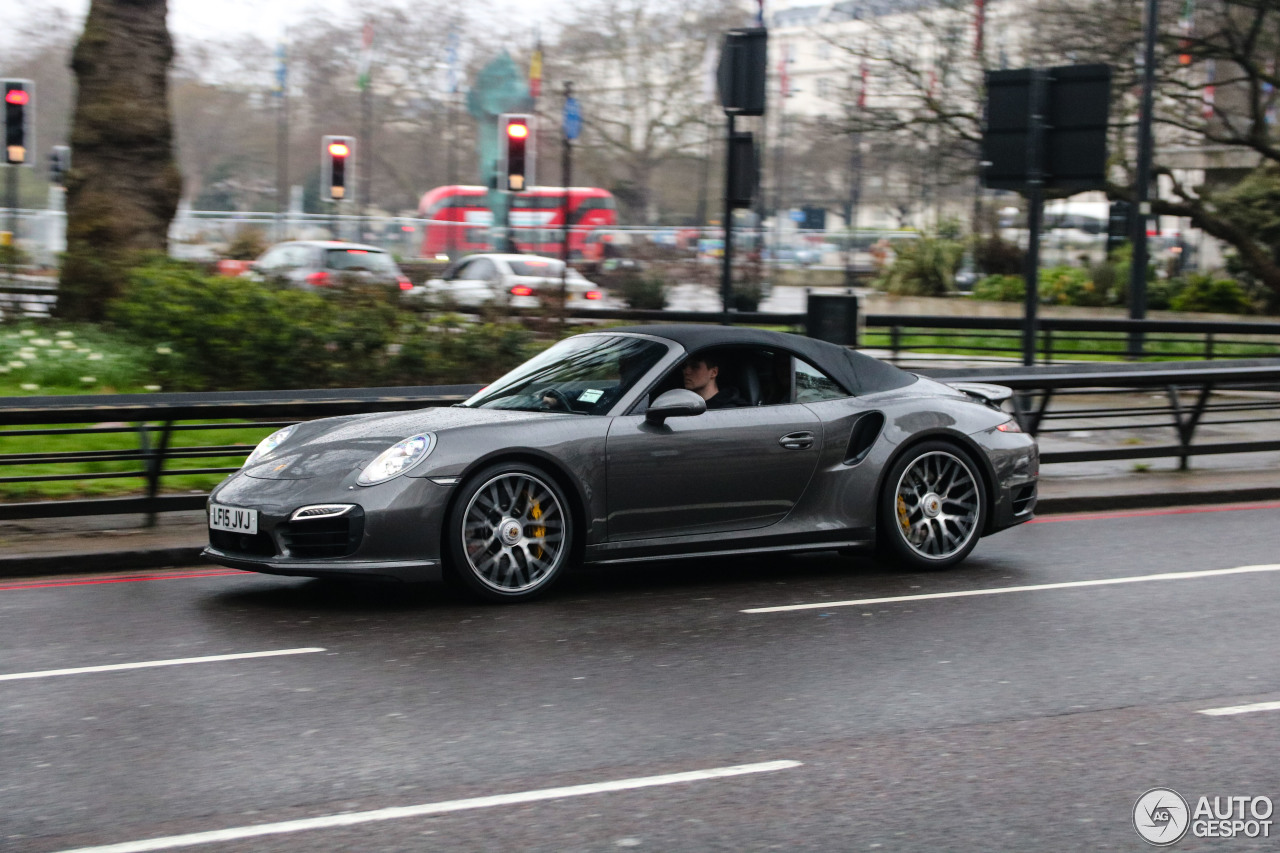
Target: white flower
(41,342)
(164,350)
(4,368)
(151,387)
(67,344)
(65,334)
(95,356)
(88,380)
(28,333)
(17,364)
(30,386)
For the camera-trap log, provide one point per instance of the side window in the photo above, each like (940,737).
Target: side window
(271,259)
(460,271)
(481,270)
(296,256)
(812,385)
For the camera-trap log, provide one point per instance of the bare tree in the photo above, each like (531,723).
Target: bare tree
(639,69)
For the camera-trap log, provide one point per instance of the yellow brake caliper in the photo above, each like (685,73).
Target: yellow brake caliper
(535,512)
(903,518)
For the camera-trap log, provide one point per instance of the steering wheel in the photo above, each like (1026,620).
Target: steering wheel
(560,398)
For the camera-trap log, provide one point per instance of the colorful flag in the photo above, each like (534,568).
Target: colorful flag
(282,70)
(535,71)
(1186,21)
(979,26)
(709,66)
(1268,94)
(451,61)
(760,14)
(366,57)
(784,80)
(1210,73)
(864,74)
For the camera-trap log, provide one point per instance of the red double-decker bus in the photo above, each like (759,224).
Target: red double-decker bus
(459,221)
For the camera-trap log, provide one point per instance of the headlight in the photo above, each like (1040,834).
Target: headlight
(397,459)
(268,445)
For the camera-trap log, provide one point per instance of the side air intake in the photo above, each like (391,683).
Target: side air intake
(865,432)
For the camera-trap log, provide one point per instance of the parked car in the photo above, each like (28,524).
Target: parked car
(597,451)
(323,263)
(518,281)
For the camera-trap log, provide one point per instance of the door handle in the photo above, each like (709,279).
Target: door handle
(796,441)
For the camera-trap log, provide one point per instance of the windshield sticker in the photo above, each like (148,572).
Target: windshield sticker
(590,395)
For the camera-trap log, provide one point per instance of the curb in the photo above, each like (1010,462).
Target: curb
(173,556)
(87,563)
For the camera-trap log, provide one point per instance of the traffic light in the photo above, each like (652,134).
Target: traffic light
(1118,225)
(17,120)
(515,144)
(337,153)
(59,164)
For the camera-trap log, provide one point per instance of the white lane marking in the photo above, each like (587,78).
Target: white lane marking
(1169,576)
(354,818)
(1241,709)
(150,663)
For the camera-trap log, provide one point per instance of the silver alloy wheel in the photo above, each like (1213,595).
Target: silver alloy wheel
(938,505)
(513,533)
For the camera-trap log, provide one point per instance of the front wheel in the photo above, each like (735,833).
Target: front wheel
(932,507)
(510,533)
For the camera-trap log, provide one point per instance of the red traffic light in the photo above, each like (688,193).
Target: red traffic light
(339,149)
(517,131)
(17,96)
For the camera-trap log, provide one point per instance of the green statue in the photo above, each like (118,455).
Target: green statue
(499,88)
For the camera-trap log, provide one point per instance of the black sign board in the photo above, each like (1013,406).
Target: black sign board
(1073,124)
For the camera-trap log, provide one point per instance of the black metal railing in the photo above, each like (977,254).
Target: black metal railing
(1106,396)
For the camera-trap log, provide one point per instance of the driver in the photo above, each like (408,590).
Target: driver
(700,373)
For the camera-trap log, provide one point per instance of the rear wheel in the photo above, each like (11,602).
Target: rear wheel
(932,507)
(510,533)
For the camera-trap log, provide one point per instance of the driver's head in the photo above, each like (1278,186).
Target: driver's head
(700,374)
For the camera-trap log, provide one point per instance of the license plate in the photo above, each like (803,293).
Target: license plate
(233,519)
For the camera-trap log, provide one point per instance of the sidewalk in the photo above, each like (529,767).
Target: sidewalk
(71,546)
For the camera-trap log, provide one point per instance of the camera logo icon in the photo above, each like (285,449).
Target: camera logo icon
(1161,816)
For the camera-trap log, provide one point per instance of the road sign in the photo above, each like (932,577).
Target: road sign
(572,119)
(797,215)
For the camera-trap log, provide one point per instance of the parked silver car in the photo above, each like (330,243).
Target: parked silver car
(518,281)
(324,263)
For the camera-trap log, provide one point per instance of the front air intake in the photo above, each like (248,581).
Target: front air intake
(321,537)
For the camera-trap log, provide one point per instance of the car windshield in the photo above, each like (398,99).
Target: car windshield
(537,267)
(585,375)
(370,260)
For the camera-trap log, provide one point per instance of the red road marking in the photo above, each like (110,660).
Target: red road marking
(1138,513)
(168,576)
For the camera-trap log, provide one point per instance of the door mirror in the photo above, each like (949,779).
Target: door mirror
(679,403)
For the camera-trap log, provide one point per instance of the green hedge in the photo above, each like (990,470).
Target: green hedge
(206,333)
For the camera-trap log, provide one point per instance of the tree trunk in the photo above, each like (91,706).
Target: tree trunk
(124,185)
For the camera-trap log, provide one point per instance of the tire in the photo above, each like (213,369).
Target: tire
(932,507)
(509,535)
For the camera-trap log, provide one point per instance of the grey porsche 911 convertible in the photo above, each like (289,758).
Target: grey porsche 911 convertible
(609,447)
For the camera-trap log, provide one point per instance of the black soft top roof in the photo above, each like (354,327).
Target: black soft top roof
(859,373)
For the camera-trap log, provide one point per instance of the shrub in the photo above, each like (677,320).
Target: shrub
(642,292)
(1219,296)
(248,244)
(1001,288)
(923,267)
(999,257)
(1070,286)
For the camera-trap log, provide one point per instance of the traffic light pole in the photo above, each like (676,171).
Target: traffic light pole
(1142,183)
(726,266)
(1035,211)
(566,179)
(11,202)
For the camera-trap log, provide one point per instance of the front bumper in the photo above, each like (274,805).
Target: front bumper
(392,532)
